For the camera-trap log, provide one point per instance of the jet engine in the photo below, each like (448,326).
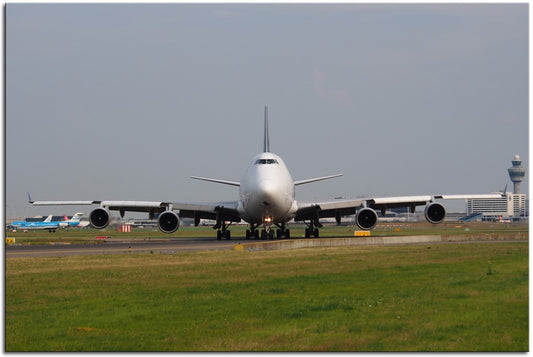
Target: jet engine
(100,218)
(366,218)
(168,222)
(435,213)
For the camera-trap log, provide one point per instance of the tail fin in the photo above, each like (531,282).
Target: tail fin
(76,217)
(266,146)
(48,219)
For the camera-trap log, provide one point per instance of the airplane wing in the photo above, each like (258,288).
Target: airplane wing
(223,211)
(339,208)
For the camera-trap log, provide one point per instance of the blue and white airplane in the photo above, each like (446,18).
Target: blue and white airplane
(20,224)
(266,199)
(48,224)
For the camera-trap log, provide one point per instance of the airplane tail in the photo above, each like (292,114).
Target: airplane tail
(76,217)
(266,146)
(48,219)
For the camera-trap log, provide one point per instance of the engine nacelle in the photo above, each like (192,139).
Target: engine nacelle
(168,222)
(435,212)
(366,218)
(100,218)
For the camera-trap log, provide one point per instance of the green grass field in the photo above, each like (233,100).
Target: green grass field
(442,297)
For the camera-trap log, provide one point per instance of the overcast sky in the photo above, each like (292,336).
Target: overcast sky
(127,101)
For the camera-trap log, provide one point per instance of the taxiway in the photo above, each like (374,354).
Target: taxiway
(121,246)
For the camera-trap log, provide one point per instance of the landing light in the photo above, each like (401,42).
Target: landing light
(267,219)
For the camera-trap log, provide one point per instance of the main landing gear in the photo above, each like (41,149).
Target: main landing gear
(222,230)
(312,229)
(267,232)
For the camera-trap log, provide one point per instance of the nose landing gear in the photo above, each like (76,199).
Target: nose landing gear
(267,231)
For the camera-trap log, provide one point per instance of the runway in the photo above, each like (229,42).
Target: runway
(122,246)
(183,244)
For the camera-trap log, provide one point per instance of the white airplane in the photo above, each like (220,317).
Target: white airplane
(73,222)
(266,198)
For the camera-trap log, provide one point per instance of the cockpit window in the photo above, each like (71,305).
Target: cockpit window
(266,162)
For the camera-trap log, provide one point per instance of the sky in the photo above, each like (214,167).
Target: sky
(127,101)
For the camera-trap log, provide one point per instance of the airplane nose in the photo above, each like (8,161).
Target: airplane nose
(267,192)
(268,199)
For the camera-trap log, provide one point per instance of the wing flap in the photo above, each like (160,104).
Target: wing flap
(399,200)
(63,203)
(465,197)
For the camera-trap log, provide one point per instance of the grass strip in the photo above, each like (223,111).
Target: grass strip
(454,297)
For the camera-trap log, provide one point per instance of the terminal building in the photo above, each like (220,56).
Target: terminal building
(509,207)
(512,206)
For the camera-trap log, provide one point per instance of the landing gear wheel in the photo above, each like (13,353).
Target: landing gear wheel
(311,232)
(252,233)
(223,234)
(222,229)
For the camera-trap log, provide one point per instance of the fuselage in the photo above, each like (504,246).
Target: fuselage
(267,191)
(44,225)
(35,225)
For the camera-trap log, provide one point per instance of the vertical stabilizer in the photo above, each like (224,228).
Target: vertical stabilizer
(266,147)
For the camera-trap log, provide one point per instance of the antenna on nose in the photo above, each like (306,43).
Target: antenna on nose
(266,147)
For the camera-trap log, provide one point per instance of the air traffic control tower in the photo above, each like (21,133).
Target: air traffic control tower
(516,174)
